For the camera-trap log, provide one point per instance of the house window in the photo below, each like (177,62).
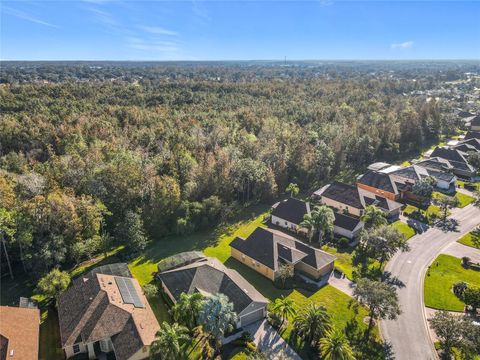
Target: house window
(286,222)
(76,348)
(105,345)
(243,257)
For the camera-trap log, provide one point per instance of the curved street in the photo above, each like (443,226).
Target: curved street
(409,334)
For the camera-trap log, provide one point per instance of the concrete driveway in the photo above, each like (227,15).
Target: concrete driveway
(459,250)
(409,335)
(270,342)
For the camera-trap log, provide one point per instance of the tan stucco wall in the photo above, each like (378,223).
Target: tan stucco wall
(317,274)
(338,205)
(260,268)
(385,194)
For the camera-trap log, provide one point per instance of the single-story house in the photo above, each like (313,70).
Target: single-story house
(289,213)
(412,174)
(391,208)
(19,331)
(105,311)
(475,123)
(265,250)
(209,276)
(347,226)
(457,159)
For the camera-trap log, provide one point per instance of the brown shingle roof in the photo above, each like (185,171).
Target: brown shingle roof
(93,309)
(19,330)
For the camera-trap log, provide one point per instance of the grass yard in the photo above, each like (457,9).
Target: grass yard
(405,229)
(440,279)
(463,199)
(213,243)
(344,259)
(470,240)
(432,209)
(337,304)
(50,347)
(462,184)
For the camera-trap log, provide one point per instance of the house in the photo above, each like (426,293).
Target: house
(475,123)
(347,226)
(105,311)
(265,250)
(343,197)
(457,159)
(19,331)
(472,135)
(379,183)
(209,276)
(410,175)
(289,213)
(354,200)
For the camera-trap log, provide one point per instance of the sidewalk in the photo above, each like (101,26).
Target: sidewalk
(459,250)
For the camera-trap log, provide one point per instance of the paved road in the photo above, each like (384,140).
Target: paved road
(408,334)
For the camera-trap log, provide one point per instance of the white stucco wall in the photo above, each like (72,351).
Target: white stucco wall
(283,223)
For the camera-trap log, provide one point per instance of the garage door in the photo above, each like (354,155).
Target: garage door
(252,317)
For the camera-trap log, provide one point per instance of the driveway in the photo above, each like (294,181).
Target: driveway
(409,335)
(341,283)
(269,341)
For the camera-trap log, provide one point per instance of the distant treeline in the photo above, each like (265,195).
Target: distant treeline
(134,153)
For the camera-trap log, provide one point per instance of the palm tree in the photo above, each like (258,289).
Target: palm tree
(373,217)
(321,218)
(284,307)
(313,323)
(185,311)
(293,189)
(169,342)
(334,346)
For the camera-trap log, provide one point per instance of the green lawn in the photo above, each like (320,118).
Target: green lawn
(463,199)
(440,279)
(403,228)
(431,210)
(461,183)
(337,304)
(344,259)
(470,240)
(50,347)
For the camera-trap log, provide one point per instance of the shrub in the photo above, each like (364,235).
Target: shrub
(459,287)
(150,290)
(247,337)
(465,261)
(343,242)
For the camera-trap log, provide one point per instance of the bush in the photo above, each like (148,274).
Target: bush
(459,287)
(465,261)
(150,290)
(247,337)
(343,242)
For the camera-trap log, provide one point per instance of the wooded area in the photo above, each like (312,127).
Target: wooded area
(96,157)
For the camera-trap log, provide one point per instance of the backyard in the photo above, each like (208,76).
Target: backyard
(445,271)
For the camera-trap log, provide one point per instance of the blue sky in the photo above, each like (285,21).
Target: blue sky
(238,30)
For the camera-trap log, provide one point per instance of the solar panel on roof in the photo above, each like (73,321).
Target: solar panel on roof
(128,292)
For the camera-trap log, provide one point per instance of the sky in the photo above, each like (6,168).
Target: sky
(238,30)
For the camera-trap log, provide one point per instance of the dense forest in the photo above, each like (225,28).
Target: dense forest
(96,156)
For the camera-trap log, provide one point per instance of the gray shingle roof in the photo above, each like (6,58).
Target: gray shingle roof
(212,277)
(343,193)
(378,181)
(260,246)
(291,210)
(346,222)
